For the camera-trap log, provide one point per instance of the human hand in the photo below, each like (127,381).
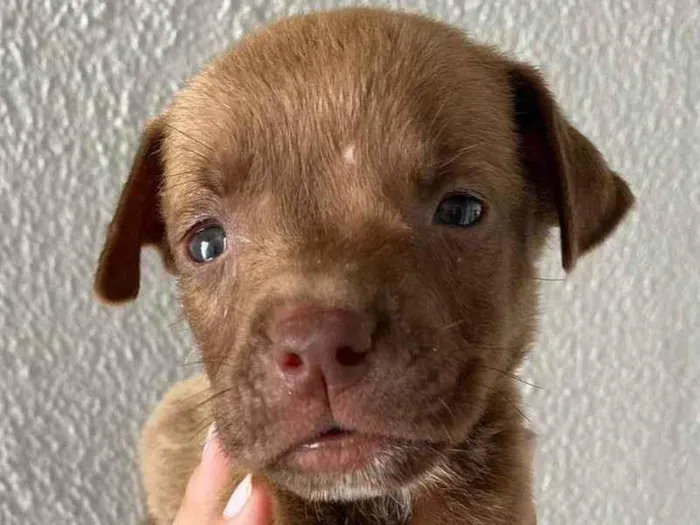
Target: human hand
(248,505)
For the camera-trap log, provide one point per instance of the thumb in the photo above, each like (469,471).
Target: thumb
(249,504)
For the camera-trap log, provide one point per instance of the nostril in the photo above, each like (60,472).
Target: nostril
(347,356)
(291,361)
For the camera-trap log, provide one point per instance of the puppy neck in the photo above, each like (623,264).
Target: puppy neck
(393,509)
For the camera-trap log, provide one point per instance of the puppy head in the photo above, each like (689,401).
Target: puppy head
(352,203)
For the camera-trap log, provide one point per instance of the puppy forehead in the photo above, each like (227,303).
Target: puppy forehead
(313,101)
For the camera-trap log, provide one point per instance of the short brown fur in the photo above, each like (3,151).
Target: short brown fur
(256,141)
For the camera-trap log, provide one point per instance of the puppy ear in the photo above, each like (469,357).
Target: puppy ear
(137,222)
(576,187)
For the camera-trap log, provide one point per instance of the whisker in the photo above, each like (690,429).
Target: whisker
(548,279)
(201,425)
(178,323)
(190,137)
(437,115)
(452,325)
(512,376)
(471,345)
(510,402)
(196,394)
(189,355)
(447,432)
(195,152)
(460,152)
(192,363)
(200,361)
(213,397)
(447,407)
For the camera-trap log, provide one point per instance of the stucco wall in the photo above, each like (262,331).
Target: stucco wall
(619,354)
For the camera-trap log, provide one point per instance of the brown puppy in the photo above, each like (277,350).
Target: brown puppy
(353,204)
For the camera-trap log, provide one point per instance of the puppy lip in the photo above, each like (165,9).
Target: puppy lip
(331,434)
(335,449)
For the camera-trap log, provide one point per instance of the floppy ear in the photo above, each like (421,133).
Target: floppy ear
(137,222)
(576,187)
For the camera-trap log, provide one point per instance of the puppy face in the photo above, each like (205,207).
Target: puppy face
(353,203)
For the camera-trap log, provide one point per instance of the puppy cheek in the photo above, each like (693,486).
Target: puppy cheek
(466,318)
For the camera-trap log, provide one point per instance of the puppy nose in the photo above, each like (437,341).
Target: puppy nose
(313,345)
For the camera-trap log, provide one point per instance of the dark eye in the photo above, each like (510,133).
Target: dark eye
(208,243)
(459,209)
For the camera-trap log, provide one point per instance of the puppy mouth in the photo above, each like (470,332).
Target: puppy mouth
(335,450)
(337,463)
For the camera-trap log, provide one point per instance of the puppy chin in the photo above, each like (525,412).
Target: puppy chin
(389,474)
(350,487)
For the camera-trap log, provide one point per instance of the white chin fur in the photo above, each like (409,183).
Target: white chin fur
(347,492)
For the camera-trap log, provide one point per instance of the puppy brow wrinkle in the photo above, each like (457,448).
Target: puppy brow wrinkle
(208,147)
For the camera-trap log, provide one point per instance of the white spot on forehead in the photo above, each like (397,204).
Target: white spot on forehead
(349,154)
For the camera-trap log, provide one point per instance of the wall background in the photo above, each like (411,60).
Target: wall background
(618,415)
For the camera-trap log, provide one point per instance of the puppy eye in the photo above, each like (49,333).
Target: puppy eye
(207,243)
(459,209)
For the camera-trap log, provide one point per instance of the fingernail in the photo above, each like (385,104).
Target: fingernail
(239,497)
(210,435)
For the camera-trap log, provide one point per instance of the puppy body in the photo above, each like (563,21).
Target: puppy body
(385,187)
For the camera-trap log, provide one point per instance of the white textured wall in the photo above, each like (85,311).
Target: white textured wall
(618,359)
